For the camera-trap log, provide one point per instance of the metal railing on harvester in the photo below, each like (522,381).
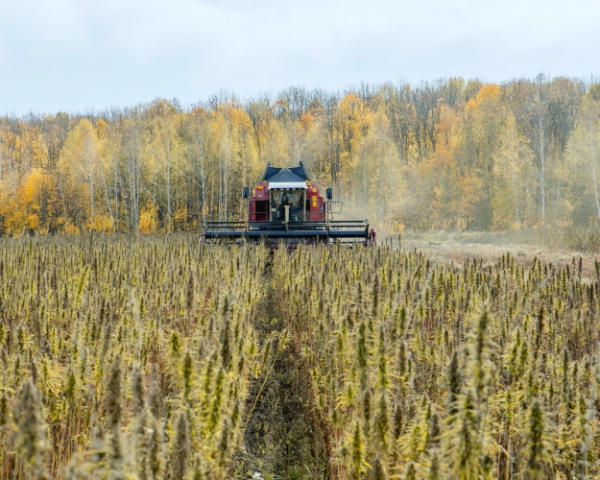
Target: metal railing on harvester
(345,231)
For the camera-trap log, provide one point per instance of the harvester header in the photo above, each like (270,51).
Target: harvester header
(287,207)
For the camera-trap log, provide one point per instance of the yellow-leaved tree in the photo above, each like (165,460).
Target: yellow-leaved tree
(78,169)
(512,185)
(164,156)
(581,172)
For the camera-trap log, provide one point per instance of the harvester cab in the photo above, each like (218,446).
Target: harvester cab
(287,207)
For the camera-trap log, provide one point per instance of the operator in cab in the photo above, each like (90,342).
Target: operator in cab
(282,203)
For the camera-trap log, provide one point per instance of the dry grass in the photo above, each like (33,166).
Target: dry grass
(523,246)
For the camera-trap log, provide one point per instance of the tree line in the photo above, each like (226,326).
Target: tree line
(450,154)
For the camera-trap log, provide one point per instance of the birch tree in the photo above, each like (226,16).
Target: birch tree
(132,146)
(582,154)
(164,152)
(197,154)
(540,139)
(79,163)
(512,169)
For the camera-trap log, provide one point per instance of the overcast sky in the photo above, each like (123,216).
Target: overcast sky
(78,55)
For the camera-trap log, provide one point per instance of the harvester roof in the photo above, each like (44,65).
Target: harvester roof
(294,177)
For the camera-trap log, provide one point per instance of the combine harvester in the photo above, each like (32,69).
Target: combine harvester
(287,208)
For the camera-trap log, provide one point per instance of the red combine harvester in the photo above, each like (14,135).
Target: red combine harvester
(286,207)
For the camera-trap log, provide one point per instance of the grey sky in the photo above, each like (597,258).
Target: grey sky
(76,55)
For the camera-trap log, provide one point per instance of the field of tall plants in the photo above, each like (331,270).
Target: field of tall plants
(425,370)
(159,357)
(125,359)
